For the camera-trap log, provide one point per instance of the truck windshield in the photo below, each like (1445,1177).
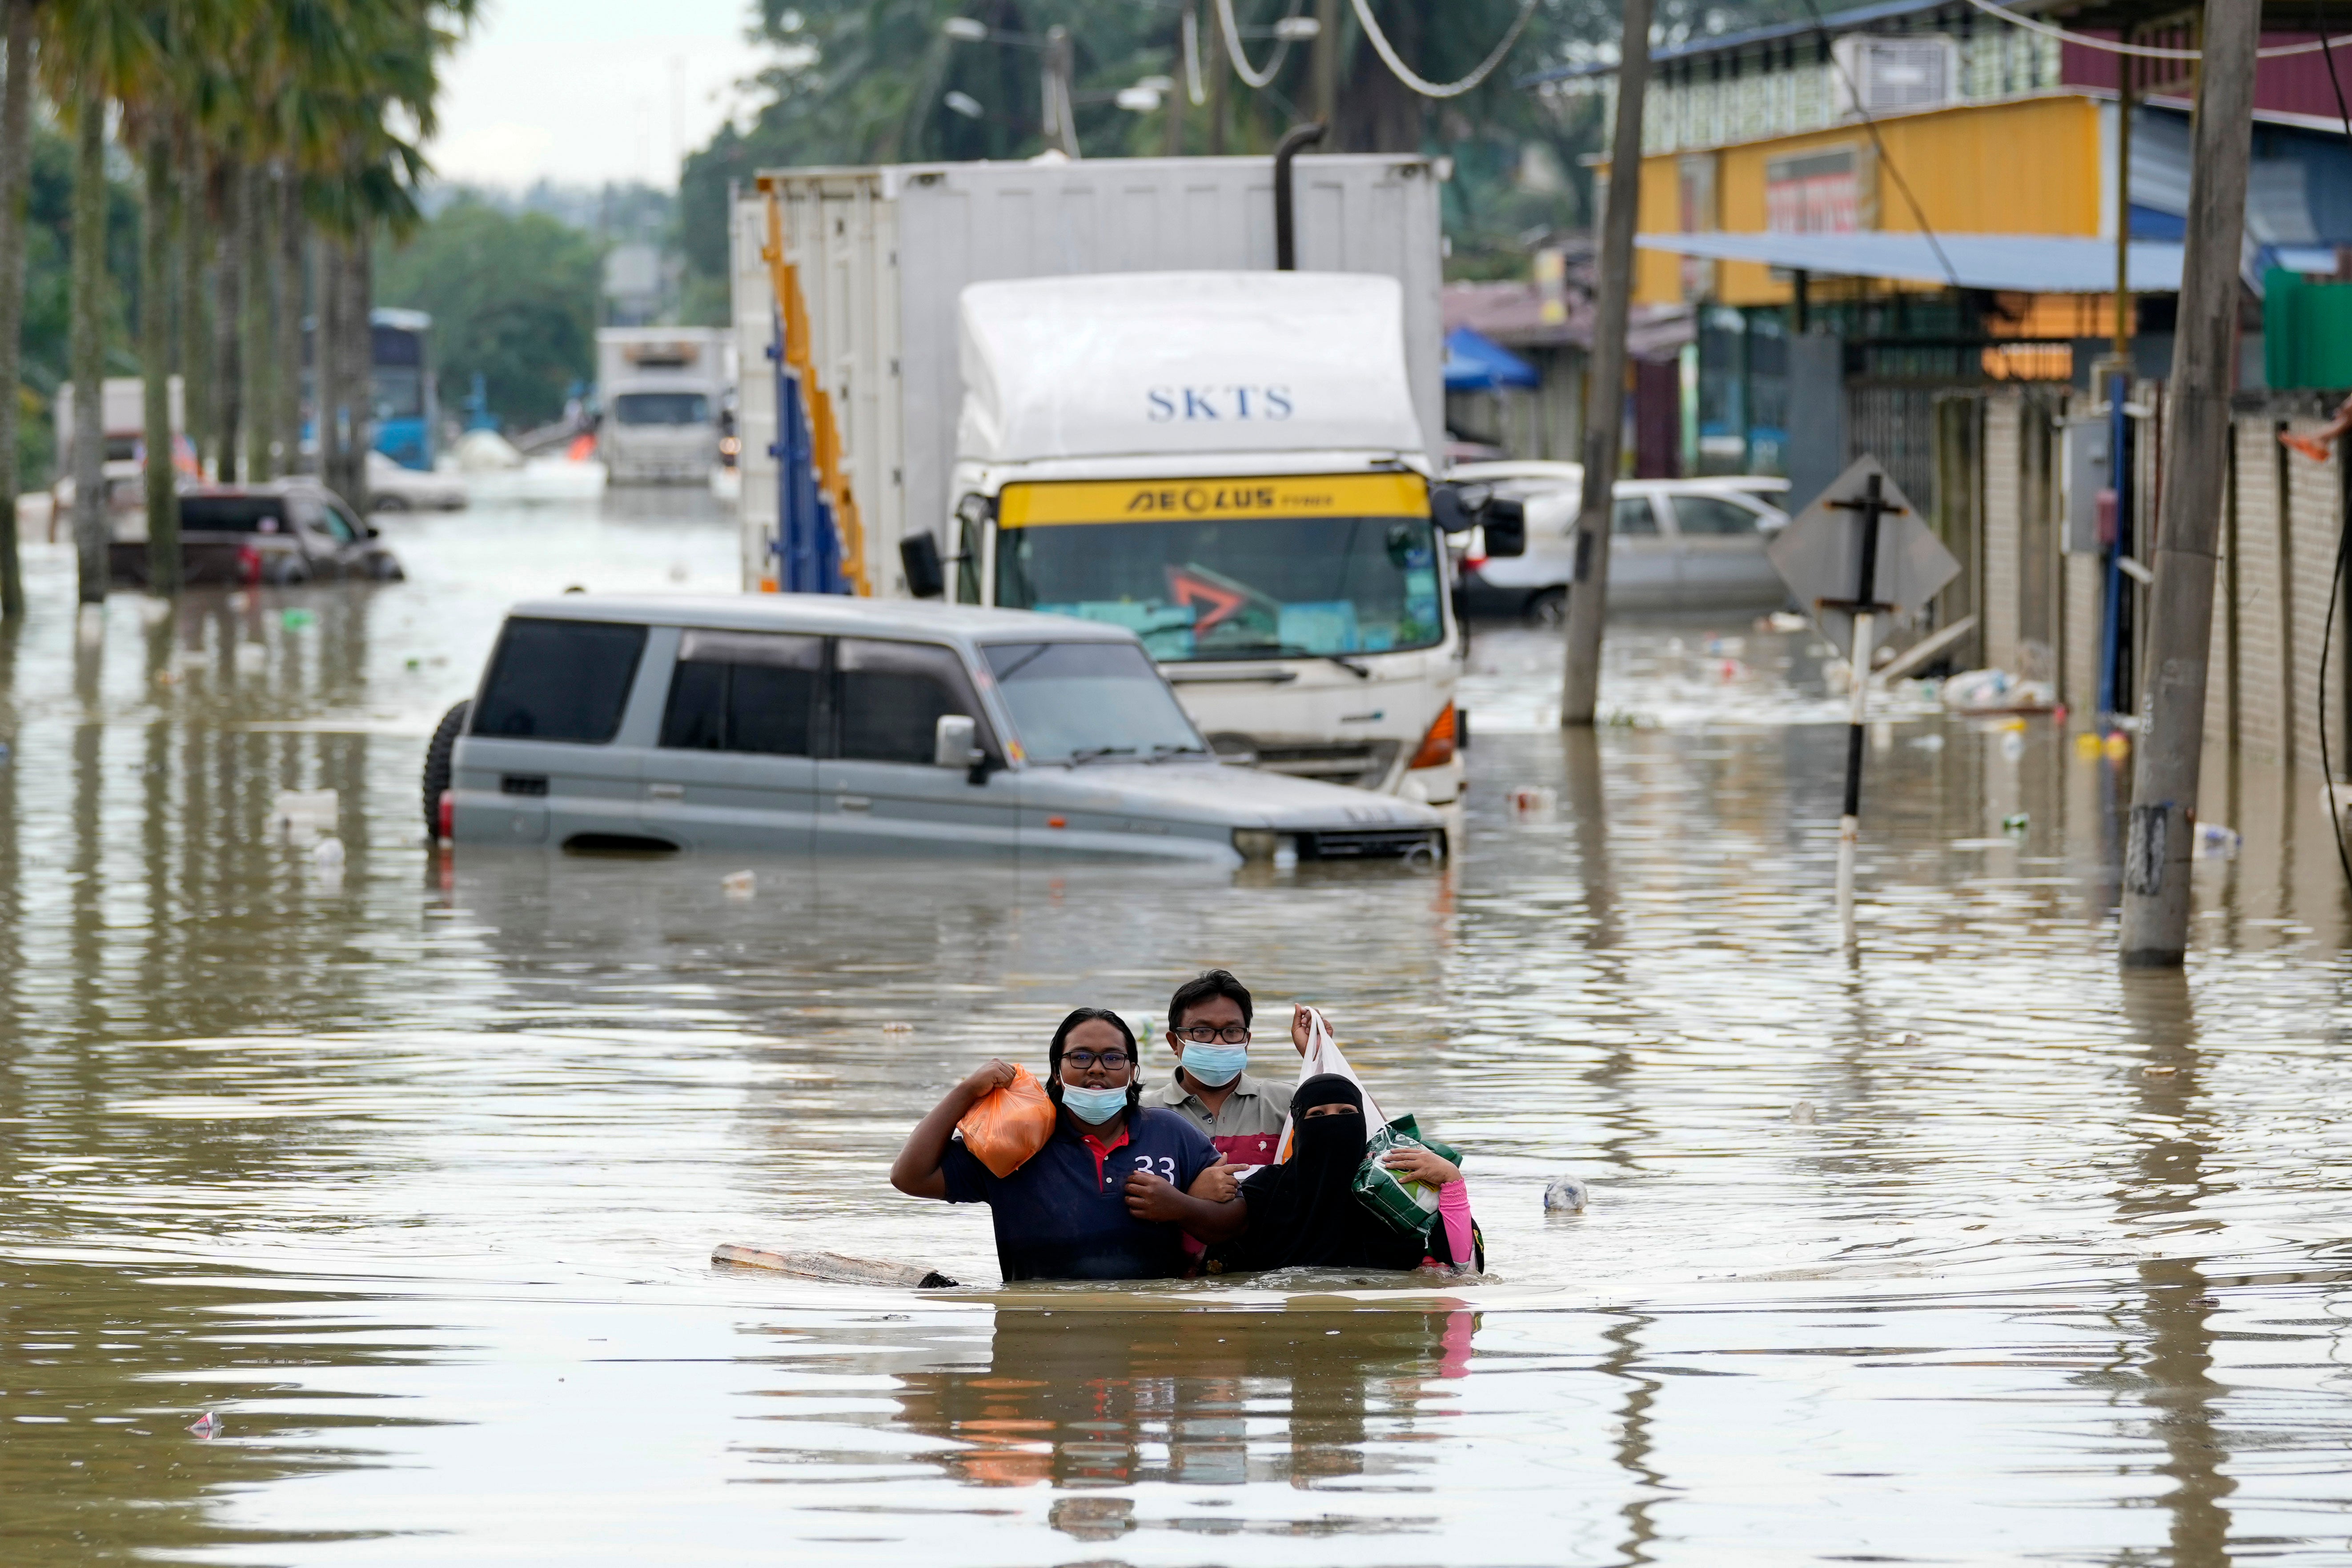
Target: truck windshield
(1248,588)
(662,408)
(1074,701)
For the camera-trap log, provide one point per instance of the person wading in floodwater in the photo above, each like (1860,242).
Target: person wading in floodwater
(1104,1198)
(1209,1030)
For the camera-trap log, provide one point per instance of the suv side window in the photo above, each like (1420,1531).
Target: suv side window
(1633,518)
(745,692)
(1713,516)
(340,523)
(891,695)
(560,681)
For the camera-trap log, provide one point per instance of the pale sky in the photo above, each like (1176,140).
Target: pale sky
(582,92)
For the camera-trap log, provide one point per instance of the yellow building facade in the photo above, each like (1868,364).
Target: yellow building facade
(2032,165)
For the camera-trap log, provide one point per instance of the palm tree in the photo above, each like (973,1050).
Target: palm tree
(16,178)
(99,52)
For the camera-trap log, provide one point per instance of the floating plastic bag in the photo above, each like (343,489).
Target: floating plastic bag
(1009,1125)
(1408,1205)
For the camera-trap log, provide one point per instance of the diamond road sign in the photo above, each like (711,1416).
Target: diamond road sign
(1819,555)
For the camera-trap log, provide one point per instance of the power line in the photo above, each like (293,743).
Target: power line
(1853,89)
(1257,78)
(2342,540)
(1427,88)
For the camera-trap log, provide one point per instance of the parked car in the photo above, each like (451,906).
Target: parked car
(286,533)
(806,723)
(1674,544)
(392,487)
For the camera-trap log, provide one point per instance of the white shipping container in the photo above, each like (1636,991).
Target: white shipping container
(883,254)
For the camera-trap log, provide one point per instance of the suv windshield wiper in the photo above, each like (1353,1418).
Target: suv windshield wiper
(1161,751)
(1090,754)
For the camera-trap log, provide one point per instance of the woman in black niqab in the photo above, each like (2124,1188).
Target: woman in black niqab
(1305,1213)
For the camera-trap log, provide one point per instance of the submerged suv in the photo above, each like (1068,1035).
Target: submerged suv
(799,723)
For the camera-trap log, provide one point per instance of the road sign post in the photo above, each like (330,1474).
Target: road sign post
(1891,564)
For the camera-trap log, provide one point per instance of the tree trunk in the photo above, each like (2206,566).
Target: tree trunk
(291,230)
(195,370)
(327,357)
(16,171)
(348,281)
(228,314)
(156,366)
(262,293)
(90,530)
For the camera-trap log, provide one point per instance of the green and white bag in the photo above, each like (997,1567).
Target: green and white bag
(1408,1205)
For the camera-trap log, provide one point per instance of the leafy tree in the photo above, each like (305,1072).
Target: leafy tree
(860,81)
(512,295)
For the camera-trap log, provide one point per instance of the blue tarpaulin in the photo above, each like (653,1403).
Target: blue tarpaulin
(1474,364)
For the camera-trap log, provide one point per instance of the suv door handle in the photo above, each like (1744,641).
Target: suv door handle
(667,791)
(854,802)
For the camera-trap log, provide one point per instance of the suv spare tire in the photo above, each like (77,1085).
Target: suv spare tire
(439,756)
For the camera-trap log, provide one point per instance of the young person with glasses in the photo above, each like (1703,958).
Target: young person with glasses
(1209,1030)
(1106,1198)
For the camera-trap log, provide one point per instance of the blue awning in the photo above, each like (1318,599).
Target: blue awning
(1478,364)
(2026,263)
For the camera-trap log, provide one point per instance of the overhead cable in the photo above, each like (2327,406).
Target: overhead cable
(2343,545)
(1233,45)
(1427,88)
(2146,51)
(1193,88)
(1854,89)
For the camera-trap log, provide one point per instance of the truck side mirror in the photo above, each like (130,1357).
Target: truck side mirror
(1455,508)
(918,557)
(1504,525)
(952,741)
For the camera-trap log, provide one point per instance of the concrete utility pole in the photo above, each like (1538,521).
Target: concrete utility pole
(1604,403)
(1327,66)
(2188,520)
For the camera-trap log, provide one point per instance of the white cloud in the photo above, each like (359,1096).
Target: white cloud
(582,92)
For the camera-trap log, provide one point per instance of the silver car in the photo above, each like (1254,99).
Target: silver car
(808,723)
(1674,544)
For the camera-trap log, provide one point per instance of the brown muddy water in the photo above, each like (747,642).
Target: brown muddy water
(1957,1247)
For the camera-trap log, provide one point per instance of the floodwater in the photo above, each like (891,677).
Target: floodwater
(1954,1246)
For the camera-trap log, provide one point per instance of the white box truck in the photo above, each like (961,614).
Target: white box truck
(1083,387)
(661,388)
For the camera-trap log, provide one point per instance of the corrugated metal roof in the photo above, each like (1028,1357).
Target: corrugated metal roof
(2026,263)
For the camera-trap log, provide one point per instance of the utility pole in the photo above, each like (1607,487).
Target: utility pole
(1214,66)
(2117,373)
(1604,403)
(2196,459)
(1327,66)
(1187,43)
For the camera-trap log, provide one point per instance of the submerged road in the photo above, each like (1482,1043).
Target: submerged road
(1959,1246)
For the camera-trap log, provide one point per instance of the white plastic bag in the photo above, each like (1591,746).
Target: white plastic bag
(1323,1056)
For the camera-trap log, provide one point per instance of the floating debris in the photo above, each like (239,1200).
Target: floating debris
(2016,822)
(740,884)
(1532,803)
(898,1026)
(252,657)
(1566,1195)
(295,620)
(2217,842)
(207,1427)
(1803,1113)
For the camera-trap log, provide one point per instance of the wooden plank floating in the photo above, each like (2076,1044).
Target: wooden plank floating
(833,1265)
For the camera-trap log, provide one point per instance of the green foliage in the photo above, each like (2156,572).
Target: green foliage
(512,295)
(865,81)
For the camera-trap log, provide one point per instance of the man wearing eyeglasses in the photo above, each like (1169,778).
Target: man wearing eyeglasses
(1209,1030)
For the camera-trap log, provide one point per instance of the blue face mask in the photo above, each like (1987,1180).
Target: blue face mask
(1094,1106)
(1215,1065)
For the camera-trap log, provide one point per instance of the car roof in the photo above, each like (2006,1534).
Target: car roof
(837,614)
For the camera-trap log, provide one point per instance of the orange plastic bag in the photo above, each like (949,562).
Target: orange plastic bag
(1009,1125)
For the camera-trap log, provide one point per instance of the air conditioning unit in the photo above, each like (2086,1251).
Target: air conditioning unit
(1884,74)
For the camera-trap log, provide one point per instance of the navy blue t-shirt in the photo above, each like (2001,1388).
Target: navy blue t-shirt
(1064,1215)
